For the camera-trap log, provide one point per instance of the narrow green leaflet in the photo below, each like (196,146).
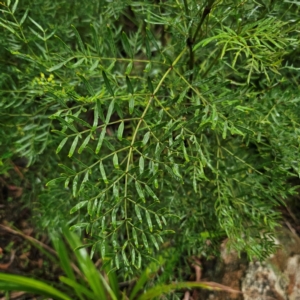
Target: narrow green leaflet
(126,44)
(116,192)
(100,111)
(186,157)
(15,6)
(131,105)
(79,40)
(61,145)
(75,183)
(125,260)
(102,249)
(151,193)
(141,164)
(132,256)
(102,171)
(139,260)
(24,16)
(150,85)
(116,161)
(140,191)
(148,218)
(96,40)
(135,239)
(78,206)
(110,39)
(84,123)
(154,241)
(152,39)
(120,131)
(158,221)
(107,84)
(59,65)
(110,111)
(87,85)
(138,213)
(145,241)
(94,208)
(96,117)
(73,146)
(100,141)
(146,138)
(85,179)
(84,144)
(129,85)
(129,68)
(175,169)
(117,261)
(114,217)
(37,25)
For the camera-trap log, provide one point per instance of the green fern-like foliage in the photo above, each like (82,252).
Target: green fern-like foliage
(154,122)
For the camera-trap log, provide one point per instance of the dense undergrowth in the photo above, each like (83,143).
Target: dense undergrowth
(154,123)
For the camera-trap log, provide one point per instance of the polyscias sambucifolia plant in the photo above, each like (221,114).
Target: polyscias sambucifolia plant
(169,121)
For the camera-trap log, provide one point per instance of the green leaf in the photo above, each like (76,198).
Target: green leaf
(114,217)
(117,261)
(139,191)
(152,39)
(141,164)
(150,86)
(175,169)
(126,44)
(15,6)
(129,85)
(146,138)
(110,111)
(131,105)
(96,40)
(148,218)
(116,161)
(83,145)
(135,239)
(85,179)
(24,16)
(37,25)
(145,241)
(107,84)
(19,283)
(154,242)
(158,221)
(54,181)
(132,256)
(61,145)
(138,212)
(120,131)
(78,206)
(151,193)
(73,146)
(129,68)
(79,40)
(110,39)
(75,182)
(102,171)
(87,85)
(84,123)
(100,140)
(116,191)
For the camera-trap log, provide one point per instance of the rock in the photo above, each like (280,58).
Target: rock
(277,278)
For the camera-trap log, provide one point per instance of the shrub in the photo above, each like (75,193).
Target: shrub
(154,121)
